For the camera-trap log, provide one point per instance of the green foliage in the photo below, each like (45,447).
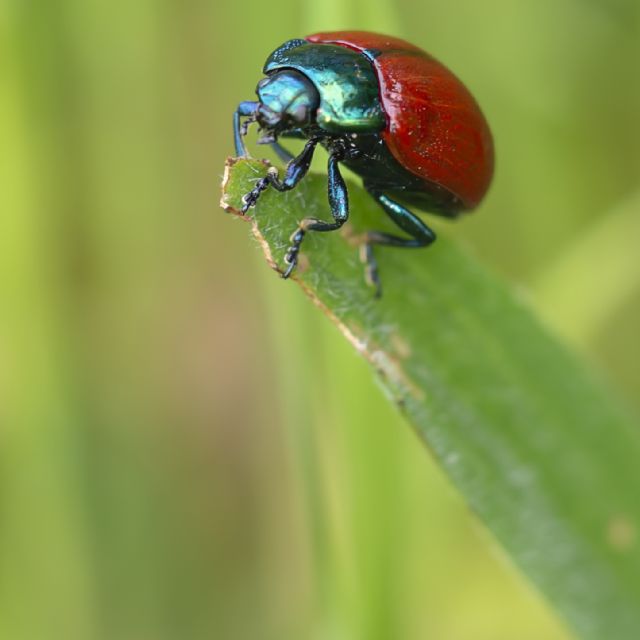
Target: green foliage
(538,448)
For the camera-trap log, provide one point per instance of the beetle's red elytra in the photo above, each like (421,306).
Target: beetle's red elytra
(435,128)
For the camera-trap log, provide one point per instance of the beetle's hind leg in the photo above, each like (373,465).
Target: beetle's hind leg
(371,275)
(339,204)
(421,235)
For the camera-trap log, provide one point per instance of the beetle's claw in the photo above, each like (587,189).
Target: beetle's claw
(289,270)
(371,275)
(291,257)
(249,199)
(246,205)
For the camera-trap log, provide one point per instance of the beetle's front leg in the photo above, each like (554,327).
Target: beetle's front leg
(246,108)
(296,170)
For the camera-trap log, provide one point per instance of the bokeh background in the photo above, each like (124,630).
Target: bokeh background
(188,449)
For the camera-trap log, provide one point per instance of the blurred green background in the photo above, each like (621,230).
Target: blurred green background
(188,449)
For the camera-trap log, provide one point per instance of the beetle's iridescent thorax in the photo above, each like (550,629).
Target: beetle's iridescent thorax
(345,82)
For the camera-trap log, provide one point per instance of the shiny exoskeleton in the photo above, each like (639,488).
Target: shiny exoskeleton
(385,109)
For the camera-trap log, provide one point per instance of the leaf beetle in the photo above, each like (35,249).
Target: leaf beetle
(385,109)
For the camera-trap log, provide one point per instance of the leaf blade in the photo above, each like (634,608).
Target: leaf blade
(541,452)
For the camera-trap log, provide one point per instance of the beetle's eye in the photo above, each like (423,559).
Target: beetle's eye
(300,114)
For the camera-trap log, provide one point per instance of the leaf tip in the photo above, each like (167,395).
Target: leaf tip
(228,200)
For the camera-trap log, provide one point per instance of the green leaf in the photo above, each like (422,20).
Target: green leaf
(542,453)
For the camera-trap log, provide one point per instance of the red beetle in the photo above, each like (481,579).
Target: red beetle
(387,110)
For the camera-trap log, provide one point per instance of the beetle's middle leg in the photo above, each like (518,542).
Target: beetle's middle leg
(295,171)
(339,204)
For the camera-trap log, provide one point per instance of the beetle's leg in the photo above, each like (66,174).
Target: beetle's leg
(371,276)
(339,204)
(283,154)
(296,170)
(422,235)
(246,108)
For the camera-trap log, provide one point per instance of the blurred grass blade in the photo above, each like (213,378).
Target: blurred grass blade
(616,279)
(539,450)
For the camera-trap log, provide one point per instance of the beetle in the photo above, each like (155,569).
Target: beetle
(385,109)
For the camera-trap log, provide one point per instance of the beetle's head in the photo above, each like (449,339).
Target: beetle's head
(288,100)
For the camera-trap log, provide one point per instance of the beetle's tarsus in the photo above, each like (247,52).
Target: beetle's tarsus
(249,199)
(295,171)
(291,257)
(289,270)
(371,275)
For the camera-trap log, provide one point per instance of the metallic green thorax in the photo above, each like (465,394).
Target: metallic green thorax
(345,80)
